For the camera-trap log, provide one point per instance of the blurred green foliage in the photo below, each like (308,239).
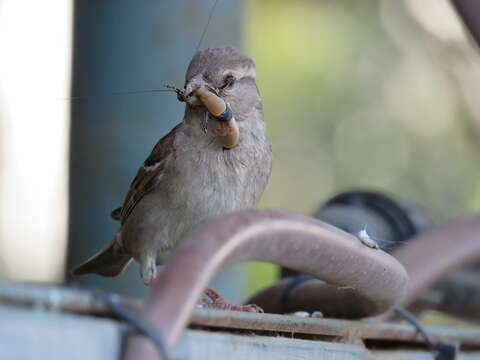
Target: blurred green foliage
(364,95)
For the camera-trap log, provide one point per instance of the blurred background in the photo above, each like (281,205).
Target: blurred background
(372,94)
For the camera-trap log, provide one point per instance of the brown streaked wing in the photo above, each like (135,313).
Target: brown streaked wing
(149,174)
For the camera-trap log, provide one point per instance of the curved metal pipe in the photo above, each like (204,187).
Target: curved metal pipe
(292,240)
(432,255)
(458,294)
(427,258)
(313,295)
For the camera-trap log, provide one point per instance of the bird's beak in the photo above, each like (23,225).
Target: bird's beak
(197,92)
(190,90)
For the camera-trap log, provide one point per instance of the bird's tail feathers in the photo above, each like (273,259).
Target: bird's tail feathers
(109,261)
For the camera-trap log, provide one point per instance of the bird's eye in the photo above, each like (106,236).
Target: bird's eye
(228,81)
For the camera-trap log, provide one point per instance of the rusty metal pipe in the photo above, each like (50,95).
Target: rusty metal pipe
(427,259)
(314,295)
(458,294)
(432,255)
(292,240)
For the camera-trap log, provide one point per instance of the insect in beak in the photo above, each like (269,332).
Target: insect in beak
(225,126)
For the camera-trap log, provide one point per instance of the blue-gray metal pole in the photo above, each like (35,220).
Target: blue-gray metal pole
(122,45)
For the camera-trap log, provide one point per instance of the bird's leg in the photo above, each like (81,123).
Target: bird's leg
(217,301)
(148,269)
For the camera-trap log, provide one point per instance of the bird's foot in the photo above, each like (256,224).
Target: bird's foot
(213,300)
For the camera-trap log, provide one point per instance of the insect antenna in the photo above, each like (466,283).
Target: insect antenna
(118,93)
(169,88)
(212,10)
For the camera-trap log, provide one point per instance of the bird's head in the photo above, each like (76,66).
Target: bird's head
(229,74)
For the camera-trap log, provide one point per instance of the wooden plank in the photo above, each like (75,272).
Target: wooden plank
(330,327)
(38,334)
(74,300)
(213,345)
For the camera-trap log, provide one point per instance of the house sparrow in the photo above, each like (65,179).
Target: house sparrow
(190,177)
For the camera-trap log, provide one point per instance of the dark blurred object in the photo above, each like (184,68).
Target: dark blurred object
(458,295)
(388,221)
(469,11)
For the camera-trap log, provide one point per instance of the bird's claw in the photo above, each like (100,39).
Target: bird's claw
(214,300)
